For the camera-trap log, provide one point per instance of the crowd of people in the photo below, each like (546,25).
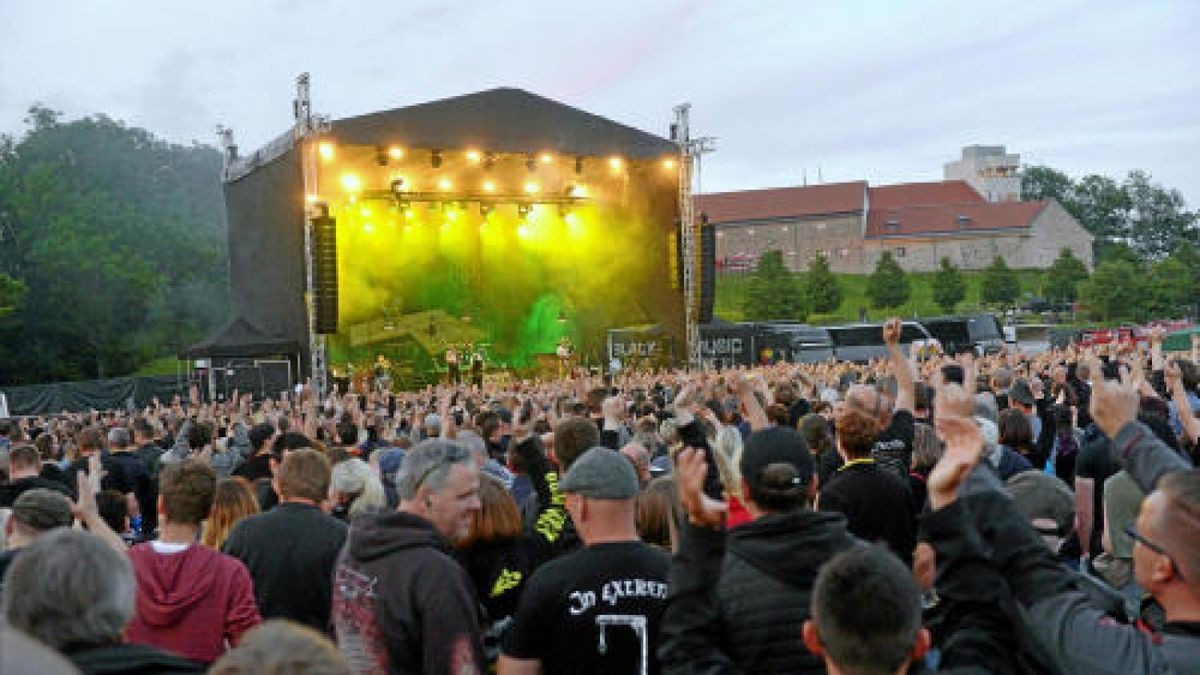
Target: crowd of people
(1002,513)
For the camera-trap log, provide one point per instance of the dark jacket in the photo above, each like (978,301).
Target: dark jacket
(401,604)
(741,610)
(290,551)
(1066,626)
(127,659)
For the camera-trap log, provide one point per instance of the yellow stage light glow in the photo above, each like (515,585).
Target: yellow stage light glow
(325,150)
(310,198)
(365,212)
(395,152)
(368,228)
(474,156)
(547,158)
(531,187)
(523,231)
(615,163)
(489,186)
(445,184)
(351,182)
(668,163)
(578,192)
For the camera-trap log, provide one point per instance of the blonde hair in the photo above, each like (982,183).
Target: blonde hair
(727,450)
(232,501)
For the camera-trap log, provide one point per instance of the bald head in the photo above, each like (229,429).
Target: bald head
(1173,514)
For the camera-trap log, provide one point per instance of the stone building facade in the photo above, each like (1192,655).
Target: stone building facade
(852,224)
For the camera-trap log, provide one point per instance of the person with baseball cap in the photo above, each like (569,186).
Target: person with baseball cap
(598,609)
(741,597)
(34,513)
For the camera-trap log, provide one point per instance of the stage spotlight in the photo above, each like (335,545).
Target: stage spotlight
(523,231)
(365,212)
(444,185)
(489,186)
(578,165)
(473,156)
(351,182)
(325,149)
(546,158)
(397,185)
(615,163)
(576,191)
(524,209)
(530,163)
(669,164)
(435,159)
(531,187)
(310,198)
(395,152)
(381,157)
(489,160)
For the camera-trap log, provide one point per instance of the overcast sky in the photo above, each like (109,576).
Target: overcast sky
(884,91)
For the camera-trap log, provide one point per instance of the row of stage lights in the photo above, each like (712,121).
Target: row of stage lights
(383,156)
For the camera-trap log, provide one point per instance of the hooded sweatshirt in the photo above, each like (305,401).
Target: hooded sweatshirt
(401,603)
(193,602)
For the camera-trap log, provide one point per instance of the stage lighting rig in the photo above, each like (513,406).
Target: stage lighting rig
(435,159)
(579,166)
(381,156)
(397,186)
(531,163)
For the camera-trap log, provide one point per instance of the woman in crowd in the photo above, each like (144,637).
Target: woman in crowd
(233,501)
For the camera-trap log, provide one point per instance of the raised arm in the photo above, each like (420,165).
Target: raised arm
(902,368)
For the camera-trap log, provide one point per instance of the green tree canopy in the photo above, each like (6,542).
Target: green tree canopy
(949,287)
(821,287)
(1000,285)
(1115,292)
(119,239)
(888,286)
(1063,278)
(774,292)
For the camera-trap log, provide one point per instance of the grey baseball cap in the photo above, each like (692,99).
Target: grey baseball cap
(42,509)
(601,473)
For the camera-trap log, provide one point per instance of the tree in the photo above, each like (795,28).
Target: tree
(119,240)
(1042,182)
(887,287)
(1115,291)
(1000,284)
(1063,278)
(821,287)
(949,287)
(12,291)
(773,293)
(1174,283)
(1158,218)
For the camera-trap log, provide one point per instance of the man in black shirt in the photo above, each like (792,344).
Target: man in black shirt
(876,504)
(113,477)
(258,465)
(24,466)
(894,445)
(596,610)
(292,549)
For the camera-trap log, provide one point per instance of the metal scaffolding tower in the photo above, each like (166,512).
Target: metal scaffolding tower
(690,149)
(307,131)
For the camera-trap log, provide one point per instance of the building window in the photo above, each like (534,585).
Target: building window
(900,252)
(892,223)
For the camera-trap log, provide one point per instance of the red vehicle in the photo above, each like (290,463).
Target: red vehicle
(1125,335)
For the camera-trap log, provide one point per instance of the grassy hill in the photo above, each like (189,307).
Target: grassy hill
(731,296)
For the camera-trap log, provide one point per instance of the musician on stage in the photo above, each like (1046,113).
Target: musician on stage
(383,374)
(564,351)
(452,371)
(477,367)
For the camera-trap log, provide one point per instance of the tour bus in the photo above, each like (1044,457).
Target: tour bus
(981,332)
(863,342)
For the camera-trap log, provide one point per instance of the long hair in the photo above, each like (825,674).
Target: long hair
(233,501)
(498,517)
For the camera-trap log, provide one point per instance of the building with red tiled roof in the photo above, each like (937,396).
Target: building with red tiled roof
(852,224)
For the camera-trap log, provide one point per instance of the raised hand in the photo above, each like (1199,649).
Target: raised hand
(1114,404)
(690,471)
(891,332)
(964,445)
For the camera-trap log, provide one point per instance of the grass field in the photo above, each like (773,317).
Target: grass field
(731,295)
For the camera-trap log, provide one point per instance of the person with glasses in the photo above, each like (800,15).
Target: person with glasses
(1062,623)
(401,602)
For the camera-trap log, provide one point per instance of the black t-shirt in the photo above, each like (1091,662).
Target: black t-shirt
(596,610)
(114,477)
(258,466)
(894,445)
(10,492)
(1097,460)
(877,506)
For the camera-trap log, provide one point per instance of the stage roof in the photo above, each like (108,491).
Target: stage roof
(501,120)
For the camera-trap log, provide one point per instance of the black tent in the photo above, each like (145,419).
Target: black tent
(239,338)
